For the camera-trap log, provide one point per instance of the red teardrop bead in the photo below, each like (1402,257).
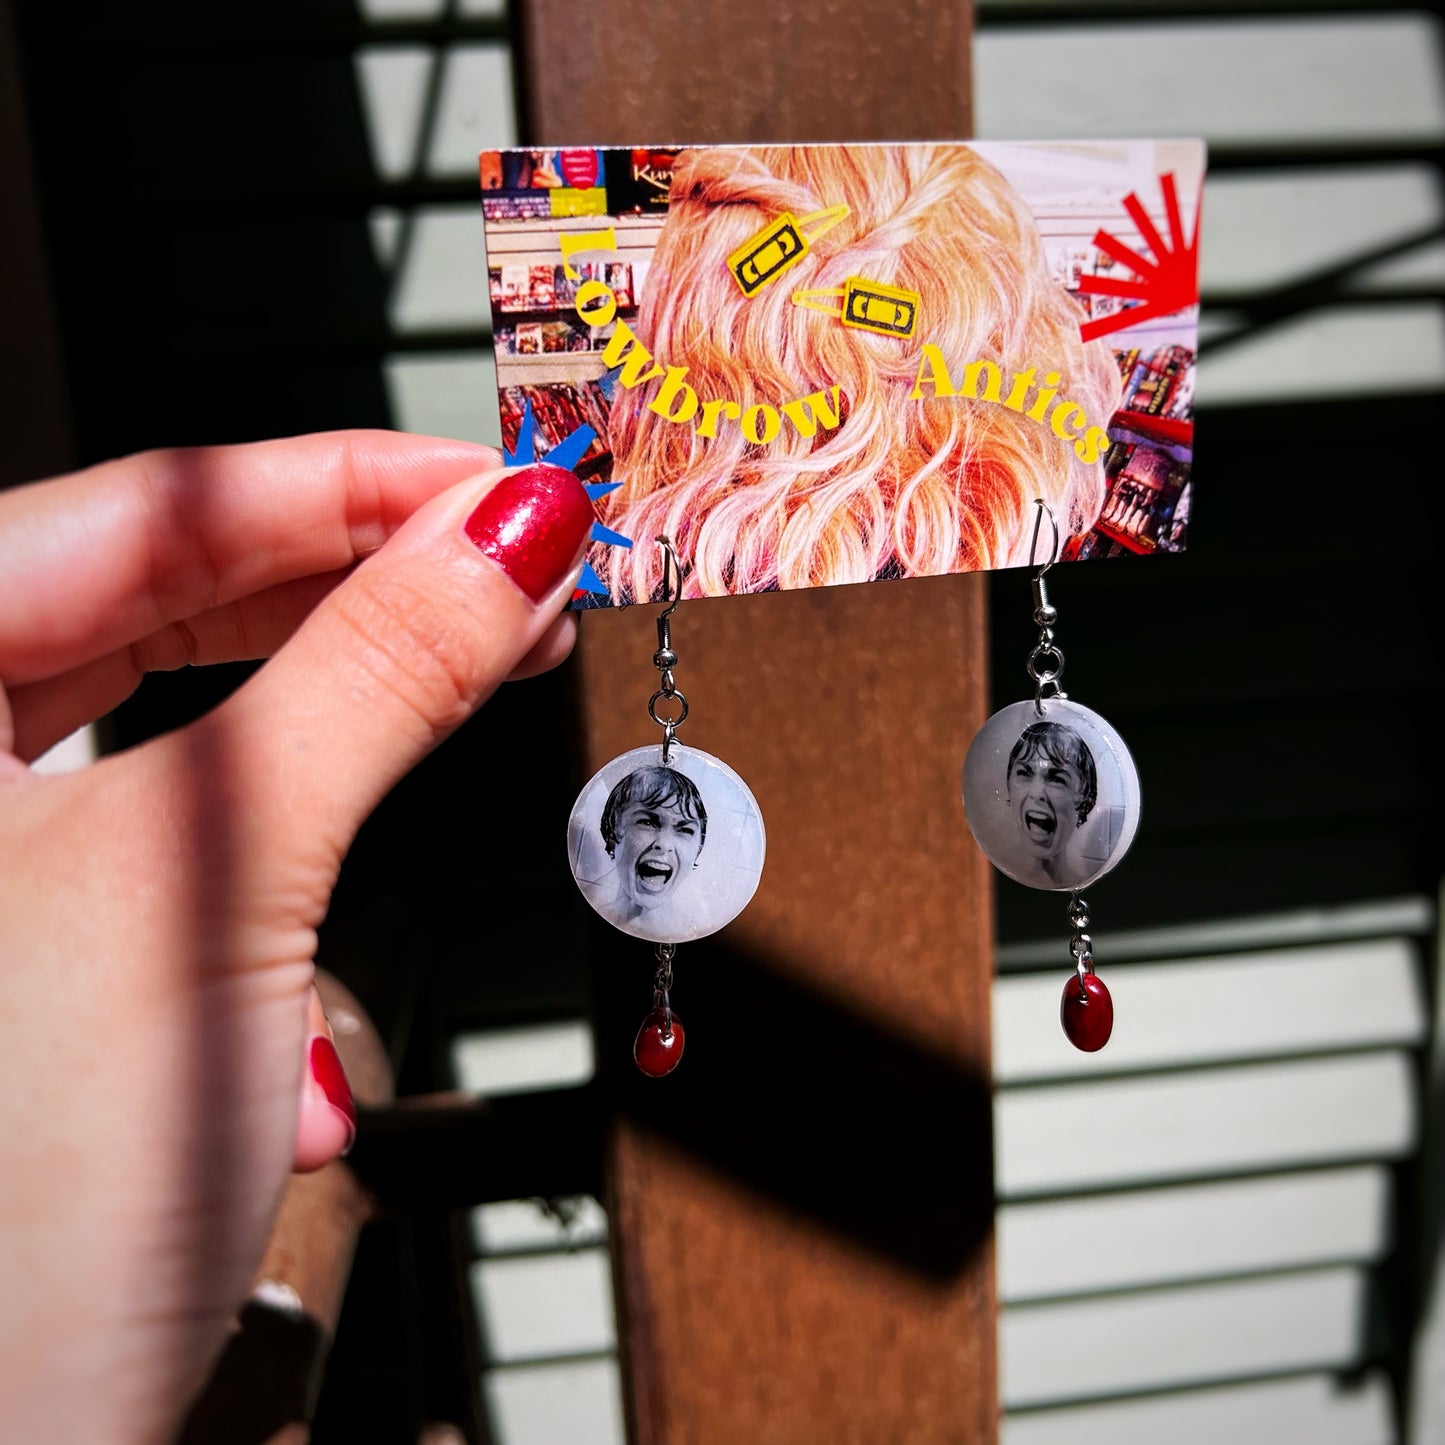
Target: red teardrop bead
(658,1051)
(1088,1020)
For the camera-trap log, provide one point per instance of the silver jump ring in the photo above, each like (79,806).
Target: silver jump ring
(667,722)
(1046,691)
(1037,656)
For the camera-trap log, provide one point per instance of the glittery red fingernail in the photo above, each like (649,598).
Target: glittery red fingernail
(533,524)
(327,1071)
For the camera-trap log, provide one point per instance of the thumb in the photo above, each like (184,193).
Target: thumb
(401,653)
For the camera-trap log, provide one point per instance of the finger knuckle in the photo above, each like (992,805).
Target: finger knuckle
(172,647)
(415,648)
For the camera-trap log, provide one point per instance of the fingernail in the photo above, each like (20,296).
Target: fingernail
(327,1071)
(532,524)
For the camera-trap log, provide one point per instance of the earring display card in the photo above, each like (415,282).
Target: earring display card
(822,364)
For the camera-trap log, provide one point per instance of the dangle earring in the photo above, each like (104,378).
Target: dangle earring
(666,844)
(1052,796)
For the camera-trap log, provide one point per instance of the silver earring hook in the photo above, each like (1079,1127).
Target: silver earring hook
(1043,507)
(671,577)
(665,659)
(1046,661)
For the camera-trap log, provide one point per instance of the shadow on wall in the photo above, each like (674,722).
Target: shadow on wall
(873,1135)
(206,179)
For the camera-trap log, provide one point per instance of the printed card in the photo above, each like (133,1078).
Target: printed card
(809,365)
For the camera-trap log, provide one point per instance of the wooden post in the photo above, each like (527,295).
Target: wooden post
(802,1214)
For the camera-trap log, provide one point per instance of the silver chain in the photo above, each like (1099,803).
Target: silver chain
(662,986)
(1081,945)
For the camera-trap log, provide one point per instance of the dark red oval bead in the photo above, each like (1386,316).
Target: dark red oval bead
(1088,1019)
(658,1051)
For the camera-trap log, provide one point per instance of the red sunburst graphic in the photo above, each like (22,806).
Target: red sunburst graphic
(1164,285)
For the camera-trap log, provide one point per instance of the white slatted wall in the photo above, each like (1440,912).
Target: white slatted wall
(1203,1204)
(1189,1224)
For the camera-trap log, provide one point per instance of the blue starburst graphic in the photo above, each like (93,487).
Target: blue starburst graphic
(567,453)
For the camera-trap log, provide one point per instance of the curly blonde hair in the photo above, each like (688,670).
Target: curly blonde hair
(903,487)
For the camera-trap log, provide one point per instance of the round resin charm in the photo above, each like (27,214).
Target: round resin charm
(1052,800)
(666,852)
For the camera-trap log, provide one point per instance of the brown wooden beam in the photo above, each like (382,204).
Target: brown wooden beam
(801,1214)
(653,71)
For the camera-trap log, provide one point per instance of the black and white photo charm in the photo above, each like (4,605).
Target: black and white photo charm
(1052,797)
(666,843)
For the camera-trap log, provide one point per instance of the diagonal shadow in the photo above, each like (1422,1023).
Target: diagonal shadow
(822,1109)
(879,1139)
(1263,310)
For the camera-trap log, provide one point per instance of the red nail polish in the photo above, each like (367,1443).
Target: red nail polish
(532,524)
(327,1071)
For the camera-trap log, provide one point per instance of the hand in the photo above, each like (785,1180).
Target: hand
(163,1062)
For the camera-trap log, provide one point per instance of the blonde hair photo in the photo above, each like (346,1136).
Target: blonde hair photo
(905,485)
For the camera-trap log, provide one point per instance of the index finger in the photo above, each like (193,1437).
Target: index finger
(98,559)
